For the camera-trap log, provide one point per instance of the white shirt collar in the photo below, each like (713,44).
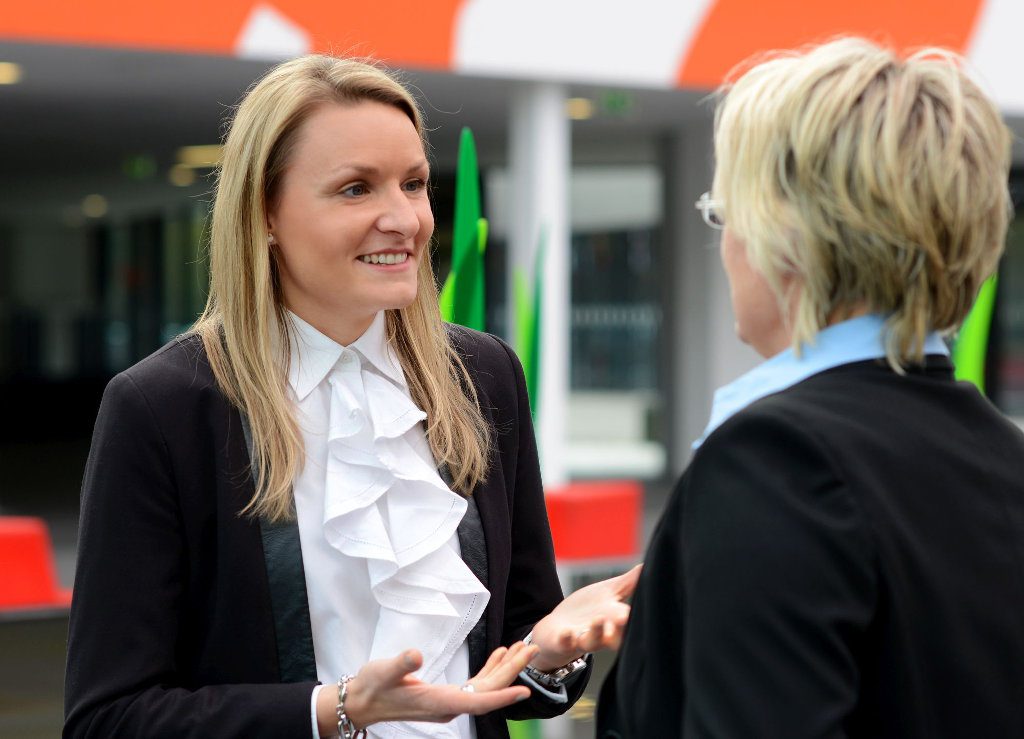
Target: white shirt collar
(313,354)
(855,340)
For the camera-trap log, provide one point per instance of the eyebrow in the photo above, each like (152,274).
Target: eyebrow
(369,170)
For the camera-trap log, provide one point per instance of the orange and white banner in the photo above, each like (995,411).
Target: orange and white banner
(657,43)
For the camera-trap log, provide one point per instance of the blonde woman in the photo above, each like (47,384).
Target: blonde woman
(843,555)
(320,511)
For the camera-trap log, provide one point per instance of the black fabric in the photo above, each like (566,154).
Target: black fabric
(474,554)
(844,558)
(286,579)
(172,630)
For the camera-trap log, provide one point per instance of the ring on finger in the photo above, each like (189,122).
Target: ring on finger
(468,688)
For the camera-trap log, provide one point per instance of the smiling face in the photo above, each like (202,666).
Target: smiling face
(351,219)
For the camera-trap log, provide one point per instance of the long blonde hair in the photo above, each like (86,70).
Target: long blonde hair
(876,181)
(244,327)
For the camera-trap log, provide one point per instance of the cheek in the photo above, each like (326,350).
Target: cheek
(426,219)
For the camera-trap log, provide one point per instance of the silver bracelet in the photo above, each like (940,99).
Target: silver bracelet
(346,729)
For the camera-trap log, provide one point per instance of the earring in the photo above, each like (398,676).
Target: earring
(271,240)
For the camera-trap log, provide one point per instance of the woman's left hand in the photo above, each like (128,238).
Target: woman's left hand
(387,690)
(589,620)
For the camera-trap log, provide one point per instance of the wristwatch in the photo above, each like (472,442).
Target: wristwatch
(557,677)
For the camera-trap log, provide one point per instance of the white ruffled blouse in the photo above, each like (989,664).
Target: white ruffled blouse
(376,521)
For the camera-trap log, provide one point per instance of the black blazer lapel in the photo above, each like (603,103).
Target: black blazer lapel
(286,579)
(473,544)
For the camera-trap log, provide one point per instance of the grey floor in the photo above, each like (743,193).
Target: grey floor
(38,480)
(31,676)
(44,481)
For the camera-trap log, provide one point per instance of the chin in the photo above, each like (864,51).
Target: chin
(401,300)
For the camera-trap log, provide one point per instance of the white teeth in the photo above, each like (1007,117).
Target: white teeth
(385,258)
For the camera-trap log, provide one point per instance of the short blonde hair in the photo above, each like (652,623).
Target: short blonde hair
(877,182)
(244,326)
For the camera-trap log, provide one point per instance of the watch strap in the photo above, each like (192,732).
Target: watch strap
(557,677)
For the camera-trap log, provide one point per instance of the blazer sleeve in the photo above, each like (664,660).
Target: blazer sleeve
(780,583)
(122,678)
(533,589)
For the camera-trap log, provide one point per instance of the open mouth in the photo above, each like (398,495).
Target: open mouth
(399,258)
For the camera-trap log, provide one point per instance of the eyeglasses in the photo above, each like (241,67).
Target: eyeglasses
(711,211)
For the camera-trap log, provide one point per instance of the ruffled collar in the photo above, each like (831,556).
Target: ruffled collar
(313,355)
(386,507)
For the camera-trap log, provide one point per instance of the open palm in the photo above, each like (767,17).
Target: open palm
(588,620)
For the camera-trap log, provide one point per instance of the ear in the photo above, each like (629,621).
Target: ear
(270,213)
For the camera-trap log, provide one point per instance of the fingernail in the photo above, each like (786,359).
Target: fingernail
(522,697)
(408,661)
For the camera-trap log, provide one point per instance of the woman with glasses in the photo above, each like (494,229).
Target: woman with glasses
(843,555)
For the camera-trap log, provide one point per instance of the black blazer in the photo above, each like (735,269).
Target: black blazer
(844,558)
(171,631)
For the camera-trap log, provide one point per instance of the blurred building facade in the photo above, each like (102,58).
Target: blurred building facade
(594,130)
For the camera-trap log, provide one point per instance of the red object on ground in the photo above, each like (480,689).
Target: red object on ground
(594,520)
(28,575)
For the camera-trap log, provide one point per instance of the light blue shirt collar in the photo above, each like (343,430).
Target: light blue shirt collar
(855,340)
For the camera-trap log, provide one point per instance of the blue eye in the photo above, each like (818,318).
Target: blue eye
(355,190)
(415,185)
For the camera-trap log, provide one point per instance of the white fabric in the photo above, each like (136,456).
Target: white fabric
(312,712)
(376,521)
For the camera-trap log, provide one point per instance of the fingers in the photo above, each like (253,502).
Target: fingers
(567,640)
(611,636)
(493,661)
(385,690)
(512,663)
(625,583)
(601,634)
(492,700)
(388,672)
(500,671)
(591,638)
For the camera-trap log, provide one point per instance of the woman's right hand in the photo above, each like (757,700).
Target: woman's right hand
(385,690)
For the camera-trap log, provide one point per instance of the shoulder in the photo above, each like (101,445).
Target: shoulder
(487,358)
(806,421)
(766,494)
(181,364)
(770,457)
(172,373)
(783,422)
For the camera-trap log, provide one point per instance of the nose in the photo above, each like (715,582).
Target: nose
(398,214)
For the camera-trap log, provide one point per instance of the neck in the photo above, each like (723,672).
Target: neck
(342,329)
(845,313)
